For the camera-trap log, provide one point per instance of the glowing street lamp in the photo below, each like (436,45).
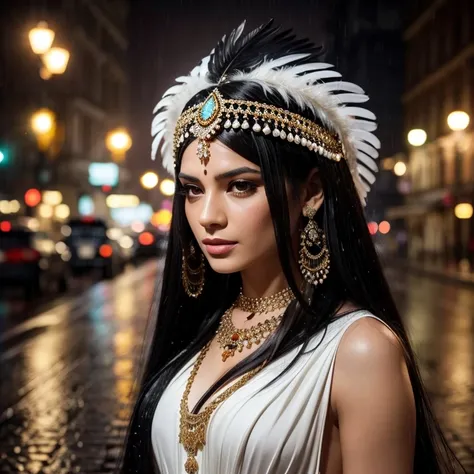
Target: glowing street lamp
(41,38)
(167,187)
(463,210)
(400,168)
(42,121)
(149,180)
(56,60)
(458,120)
(417,137)
(118,142)
(43,124)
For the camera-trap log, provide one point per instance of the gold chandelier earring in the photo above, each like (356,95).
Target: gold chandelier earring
(314,254)
(192,271)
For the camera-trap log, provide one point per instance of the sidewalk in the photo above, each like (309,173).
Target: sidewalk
(442,272)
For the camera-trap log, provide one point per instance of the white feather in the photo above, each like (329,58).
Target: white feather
(358,112)
(367,161)
(368,137)
(349,98)
(267,66)
(305,68)
(366,174)
(367,149)
(317,76)
(365,125)
(313,85)
(342,86)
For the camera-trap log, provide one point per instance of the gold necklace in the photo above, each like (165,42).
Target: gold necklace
(193,427)
(267,304)
(233,339)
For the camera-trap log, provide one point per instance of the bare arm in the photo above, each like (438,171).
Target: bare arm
(373,401)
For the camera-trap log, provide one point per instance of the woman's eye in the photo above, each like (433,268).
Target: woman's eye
(243,188)
(190,190)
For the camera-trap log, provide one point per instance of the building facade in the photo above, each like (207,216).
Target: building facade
(88,100)
(439,79)
(367,48)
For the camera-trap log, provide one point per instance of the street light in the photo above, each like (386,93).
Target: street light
(149,180)
(42,121)
(463,210)
(43,124)
(458,120)
(118,142)
(56,60)
(417,137)
(41,38)
(167,187)
(400,168)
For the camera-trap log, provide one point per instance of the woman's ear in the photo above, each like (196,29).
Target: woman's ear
(313,195)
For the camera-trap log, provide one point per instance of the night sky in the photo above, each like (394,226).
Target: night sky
(168,38)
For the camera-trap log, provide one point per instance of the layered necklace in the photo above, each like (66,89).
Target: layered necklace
(233,339)
(193,427)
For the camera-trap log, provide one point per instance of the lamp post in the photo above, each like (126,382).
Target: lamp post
(400,168)
(458,121)
(55,59)
(43,124)
(41,38)
(167,187)
(416,137)
(118,142)
(149,180)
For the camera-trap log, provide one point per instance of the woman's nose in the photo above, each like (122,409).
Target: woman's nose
(213,213)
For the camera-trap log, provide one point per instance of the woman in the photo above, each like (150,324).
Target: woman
(278,347)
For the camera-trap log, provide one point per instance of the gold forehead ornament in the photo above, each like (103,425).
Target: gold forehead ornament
(207,119)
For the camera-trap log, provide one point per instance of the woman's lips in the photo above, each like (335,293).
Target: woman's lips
(219,249)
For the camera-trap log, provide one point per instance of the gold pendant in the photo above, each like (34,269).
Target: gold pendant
(191,466)
(203,151)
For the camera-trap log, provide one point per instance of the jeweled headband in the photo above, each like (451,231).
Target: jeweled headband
(208,118)
(279,63)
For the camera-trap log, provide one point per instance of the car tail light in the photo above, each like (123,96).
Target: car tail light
(21,255)
(146,238)
(5,226)
(106,251)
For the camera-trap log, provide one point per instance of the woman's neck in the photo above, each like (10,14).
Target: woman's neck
(263,282)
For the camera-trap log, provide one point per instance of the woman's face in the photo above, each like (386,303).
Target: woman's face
(228,211)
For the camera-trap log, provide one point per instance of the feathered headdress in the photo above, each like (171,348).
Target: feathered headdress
(280,63)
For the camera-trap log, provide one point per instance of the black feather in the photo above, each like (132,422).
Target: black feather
(249,51)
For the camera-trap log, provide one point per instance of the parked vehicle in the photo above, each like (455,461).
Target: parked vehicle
(55,275)
(89,248)
(25,264)
(149,244)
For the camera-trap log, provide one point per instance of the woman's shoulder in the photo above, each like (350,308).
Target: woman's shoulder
(368,341)
(370,366)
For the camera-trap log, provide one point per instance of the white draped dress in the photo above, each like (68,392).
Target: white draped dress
(277,431)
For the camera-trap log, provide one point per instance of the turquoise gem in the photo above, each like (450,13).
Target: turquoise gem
(208,108)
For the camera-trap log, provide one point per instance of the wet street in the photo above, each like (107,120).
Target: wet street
(67,371)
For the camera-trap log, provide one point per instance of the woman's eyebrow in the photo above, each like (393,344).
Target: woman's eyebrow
(236,172)
(226,175)
(188,177)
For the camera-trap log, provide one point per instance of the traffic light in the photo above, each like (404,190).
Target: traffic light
(5,155)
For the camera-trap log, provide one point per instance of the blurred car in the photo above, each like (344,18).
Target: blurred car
(23,264)
(89,248)
(54,276)
(149,244)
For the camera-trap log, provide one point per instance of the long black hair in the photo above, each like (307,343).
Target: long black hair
(184,325)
